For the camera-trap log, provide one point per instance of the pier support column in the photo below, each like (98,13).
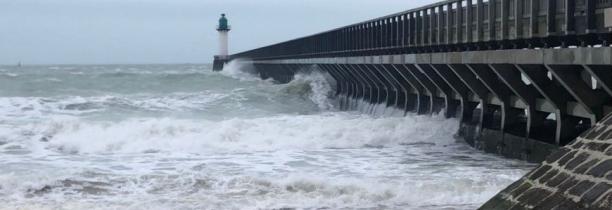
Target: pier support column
(339,79)
(533,125)
(359,85)
(553,92)
(422,105)
(506,117)
(342,84)
(390,89)
(372,88)
(381,93)
(402,89)
(434,102)
(475,85)
(510,75)
(466,107)
(603,75)
(570,77)
(351,86)
(410,102)
(450,103)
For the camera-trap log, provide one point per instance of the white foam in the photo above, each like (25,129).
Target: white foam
(34,107)
(192,191)
(327,130)
(10,74)
(240,70)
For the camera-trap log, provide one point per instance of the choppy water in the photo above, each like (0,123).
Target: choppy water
(183,137)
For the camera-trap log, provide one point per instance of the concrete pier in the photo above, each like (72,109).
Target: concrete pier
(521,103)
(524,77)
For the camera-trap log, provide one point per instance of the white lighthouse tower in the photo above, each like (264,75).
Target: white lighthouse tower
(223,57)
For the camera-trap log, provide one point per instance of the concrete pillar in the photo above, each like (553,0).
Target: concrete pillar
(450,104)
(422,100)
(466,107)
(390,90)
(381,93)
(356,86)
(337,77)
(427,85)
(476,86)
(603,75)
(592,100)
(553,92)
(349,85)
(401,90)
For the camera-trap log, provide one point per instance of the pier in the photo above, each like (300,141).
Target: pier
(526,79)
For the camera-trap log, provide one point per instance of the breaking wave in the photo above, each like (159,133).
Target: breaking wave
(183,137)
(327,130)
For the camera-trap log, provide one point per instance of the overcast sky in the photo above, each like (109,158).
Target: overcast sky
(165,31)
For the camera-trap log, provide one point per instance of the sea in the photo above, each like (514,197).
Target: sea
(157,137)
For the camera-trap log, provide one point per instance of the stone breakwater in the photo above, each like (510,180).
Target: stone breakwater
(577,176)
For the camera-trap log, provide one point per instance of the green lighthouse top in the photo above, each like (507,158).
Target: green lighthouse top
(223,26)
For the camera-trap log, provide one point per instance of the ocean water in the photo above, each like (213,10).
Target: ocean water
(184,137)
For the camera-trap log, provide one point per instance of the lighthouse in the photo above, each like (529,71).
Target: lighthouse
(223,57)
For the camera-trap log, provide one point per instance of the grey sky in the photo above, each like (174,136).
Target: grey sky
(165,31)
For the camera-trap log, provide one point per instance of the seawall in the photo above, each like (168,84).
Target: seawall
(577,176)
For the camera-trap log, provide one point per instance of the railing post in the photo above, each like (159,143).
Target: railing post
(469,21)
(505,24)
(479,20)
(441,40)
(459,23)
(570,21)
(418,32)
(590,16)
(518,19)
(551,18)
(406,30)
(411,29)
(449,25)
(492,20)
(533,21)
(424,27)
(432,26)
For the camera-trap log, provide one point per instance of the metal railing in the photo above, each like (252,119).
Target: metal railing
(458,25)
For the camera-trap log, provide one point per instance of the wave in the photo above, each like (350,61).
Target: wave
(311,83)
(237,69)
(315,86)
(9,75)
(75,105)
(191,190)
(326,130)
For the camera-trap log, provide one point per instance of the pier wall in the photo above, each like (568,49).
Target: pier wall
(525,78)
(521,104)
